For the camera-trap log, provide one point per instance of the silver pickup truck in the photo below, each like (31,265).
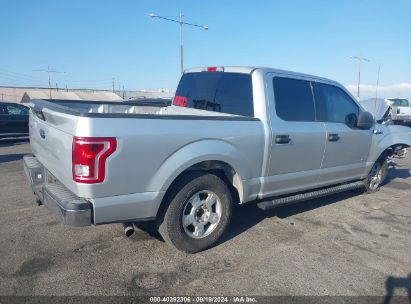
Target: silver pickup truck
(233,135)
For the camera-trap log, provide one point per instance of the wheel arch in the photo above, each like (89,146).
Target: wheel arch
(390,151)
(383,153)
(394,139)
(219,168)
(215,156)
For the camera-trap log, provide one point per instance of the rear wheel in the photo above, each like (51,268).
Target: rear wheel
(376,176)
(198,212)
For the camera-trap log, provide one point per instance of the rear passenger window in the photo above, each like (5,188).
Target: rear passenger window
(17,110)
(216,91)
(334,105)
(293,99)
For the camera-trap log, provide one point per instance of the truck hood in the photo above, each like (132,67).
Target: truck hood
(378,108)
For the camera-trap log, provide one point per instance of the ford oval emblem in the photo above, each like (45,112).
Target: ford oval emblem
(42,134)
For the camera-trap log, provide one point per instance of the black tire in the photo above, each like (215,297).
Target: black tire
(170,221)
(378,171)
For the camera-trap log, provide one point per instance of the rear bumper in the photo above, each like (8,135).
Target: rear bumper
(71,209)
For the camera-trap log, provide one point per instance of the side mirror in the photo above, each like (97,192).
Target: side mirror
(365,121)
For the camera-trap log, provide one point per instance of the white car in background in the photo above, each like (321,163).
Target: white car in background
(401,110)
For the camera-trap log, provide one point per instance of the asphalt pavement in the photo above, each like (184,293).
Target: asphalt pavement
(346,244)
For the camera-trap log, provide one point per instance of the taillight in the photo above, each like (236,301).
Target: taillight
(180,101)
(213,69)
(89,158)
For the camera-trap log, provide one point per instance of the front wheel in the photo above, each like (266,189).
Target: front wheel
(198,211)
(376,176)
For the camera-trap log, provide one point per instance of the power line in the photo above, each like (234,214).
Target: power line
(48,71)
(20,75)
(8,76)
(181,22)
(20,78)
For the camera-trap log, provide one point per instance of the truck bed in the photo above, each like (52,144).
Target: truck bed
(119,109)
(154,145)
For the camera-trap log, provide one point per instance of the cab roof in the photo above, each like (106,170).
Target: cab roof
(249,70)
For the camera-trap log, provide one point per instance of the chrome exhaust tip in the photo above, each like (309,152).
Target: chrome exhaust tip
(128,229)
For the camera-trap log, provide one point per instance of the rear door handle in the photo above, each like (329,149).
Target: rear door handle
(333,137)
(282,139)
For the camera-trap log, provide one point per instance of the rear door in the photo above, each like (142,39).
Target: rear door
(347,147)
(297,141)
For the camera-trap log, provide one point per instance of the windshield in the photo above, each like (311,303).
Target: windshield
(216,91)
(399,102)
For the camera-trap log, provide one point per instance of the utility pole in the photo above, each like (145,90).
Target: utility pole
(114,80)
(48,71)
(376,89)
(360,60)
(181,22)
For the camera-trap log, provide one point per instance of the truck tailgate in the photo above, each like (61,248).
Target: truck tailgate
(51,136)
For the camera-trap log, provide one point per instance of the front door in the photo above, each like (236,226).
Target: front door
(347,147)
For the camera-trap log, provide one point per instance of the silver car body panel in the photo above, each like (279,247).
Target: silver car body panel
(126,208)
(345,159)
(387,136)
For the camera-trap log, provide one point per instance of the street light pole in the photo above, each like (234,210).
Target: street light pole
(181,22)
(360,60)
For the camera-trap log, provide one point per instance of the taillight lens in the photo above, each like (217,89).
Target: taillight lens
(89,158)
(214,69)
(180,101)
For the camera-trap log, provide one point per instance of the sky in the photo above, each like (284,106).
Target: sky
(90,42)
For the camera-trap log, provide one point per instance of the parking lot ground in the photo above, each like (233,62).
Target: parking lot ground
(347,244)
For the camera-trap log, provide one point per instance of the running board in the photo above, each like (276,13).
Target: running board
(265,205)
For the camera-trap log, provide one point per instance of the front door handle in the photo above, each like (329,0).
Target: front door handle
(282,139)
(333,137)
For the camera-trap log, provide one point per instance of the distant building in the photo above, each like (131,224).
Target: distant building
(73,95)
(154,93)
(24,94)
